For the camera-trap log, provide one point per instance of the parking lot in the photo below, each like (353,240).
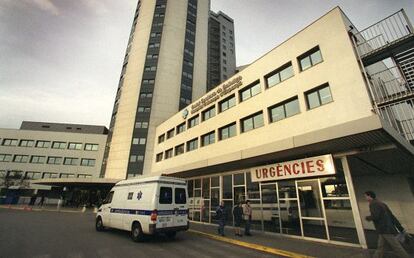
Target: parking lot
(58,234)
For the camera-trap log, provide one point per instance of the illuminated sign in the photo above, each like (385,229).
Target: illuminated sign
(216,94)
(309,167)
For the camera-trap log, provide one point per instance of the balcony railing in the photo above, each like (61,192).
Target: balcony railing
(391,29)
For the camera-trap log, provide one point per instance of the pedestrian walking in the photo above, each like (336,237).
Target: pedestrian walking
(41,200)
(238,218)
(221,218)
(386,225)
(247,217)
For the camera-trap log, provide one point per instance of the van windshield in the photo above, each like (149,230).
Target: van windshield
(165,195)
(180,197)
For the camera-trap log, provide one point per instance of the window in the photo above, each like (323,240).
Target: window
(58,145)
(50,175)
(21,158)
(209,113)
(179,149)
(141,125)
(15,174)
(5,157)
(227,131)
(65,175)
(168,153)
(146,81)
(154,45)
(9,142)
(108,198)
(74,146)
(70,161)
(3,174)
(318,96)
(136,158)
(161,138)
(279,75)
(88,162)
(38,159)
(32,175)
(227,103)
(144,109)
(158,158)
(193,121)
(284,110)
(145,95)
(150,68)
(130,195)
(54,160)
(139,141)
(192,144)
(91,147)
(208,139)
(250,91)
(84,176)
(42,144)
(165,195)
(180,196)
(170,133)
(252,122)
(180,128)
(310,58)
(26,143)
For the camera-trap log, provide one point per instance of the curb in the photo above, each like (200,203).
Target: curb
(251,245)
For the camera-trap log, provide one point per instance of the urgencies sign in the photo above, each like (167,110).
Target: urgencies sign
(217,93)
(309,167)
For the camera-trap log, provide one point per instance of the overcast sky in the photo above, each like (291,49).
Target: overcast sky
(60,60)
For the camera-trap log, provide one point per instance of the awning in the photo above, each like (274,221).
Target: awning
(76,182)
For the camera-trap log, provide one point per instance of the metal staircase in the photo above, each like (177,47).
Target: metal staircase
(386,53)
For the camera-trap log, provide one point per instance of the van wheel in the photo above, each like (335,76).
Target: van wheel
(136,232)
(99,224)
(171,234)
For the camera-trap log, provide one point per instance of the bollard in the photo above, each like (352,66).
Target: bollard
(84,208)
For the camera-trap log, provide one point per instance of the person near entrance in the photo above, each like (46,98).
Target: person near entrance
(247,217)
(386,225)
(238,218)
(221,218)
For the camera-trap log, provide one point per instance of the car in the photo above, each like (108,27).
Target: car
(146,206)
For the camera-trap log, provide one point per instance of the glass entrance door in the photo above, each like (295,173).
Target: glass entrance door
(311,209)
(270,207)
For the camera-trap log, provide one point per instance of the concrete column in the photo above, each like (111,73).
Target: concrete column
(354,203)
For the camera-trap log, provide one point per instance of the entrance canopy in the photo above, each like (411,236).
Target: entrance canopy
(77,182)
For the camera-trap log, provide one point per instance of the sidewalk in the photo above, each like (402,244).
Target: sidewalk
(298,246)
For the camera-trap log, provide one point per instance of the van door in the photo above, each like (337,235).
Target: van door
(165,206)
(118,210)
(180,206)
(106,209)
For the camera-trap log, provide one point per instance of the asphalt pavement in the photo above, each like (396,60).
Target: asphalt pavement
(45,234)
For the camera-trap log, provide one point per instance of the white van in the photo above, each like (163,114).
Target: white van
(146,205)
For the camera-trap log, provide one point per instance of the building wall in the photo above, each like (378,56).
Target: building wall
(165,90)
(92,171)
(339,68)
(222,49)
(394,190)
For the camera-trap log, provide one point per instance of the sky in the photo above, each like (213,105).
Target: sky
(60,60)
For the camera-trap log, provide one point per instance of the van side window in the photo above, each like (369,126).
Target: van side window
(130,196)
(108,198)
(180,197)
(165,195)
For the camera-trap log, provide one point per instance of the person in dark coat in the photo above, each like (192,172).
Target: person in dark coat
(238,218)
(221,218)
(386,226)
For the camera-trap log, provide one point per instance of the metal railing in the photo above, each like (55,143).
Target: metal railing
(393,28)
(400,116)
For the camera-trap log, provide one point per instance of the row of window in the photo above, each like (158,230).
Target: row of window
(47,144)
(316,97)
(55,160)
(30,175)
(277,76)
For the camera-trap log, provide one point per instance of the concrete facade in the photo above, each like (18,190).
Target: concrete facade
(167,31)
(319,104)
